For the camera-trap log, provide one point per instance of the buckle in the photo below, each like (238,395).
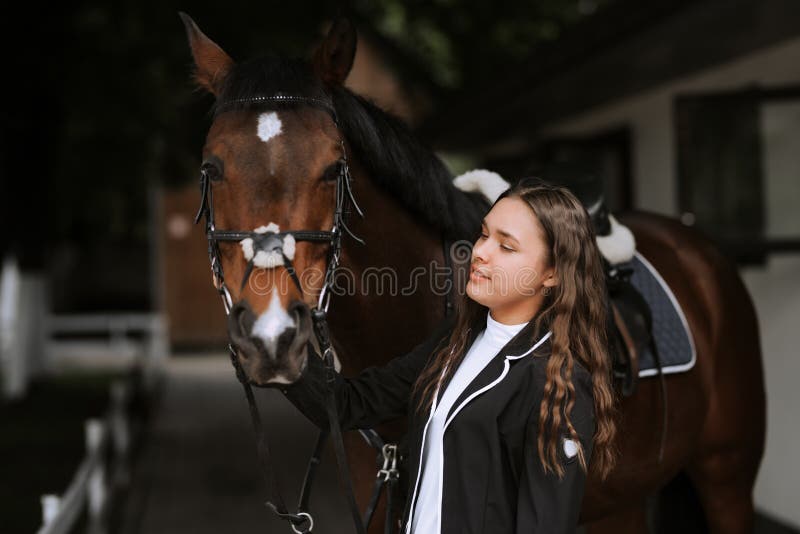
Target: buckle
(389,469)
(309,520)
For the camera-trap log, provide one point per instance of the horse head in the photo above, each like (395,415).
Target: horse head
(274,180)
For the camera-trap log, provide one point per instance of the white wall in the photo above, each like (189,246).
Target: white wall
(775,287)
(780,132)
(649,115)
(776,292)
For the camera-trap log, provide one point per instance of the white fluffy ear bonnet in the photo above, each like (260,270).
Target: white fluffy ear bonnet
(488,183)
(617,247)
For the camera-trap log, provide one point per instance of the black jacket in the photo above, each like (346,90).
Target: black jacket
(493,479)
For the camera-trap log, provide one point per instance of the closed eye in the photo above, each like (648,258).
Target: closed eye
(504,247)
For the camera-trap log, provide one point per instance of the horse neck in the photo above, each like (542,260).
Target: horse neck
(383,322)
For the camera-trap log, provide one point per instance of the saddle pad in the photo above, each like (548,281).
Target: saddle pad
(670,329)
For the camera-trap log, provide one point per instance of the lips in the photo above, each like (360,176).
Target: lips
(479,273)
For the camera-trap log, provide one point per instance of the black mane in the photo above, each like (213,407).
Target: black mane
(383,144)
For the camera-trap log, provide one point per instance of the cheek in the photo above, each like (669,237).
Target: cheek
(525,273)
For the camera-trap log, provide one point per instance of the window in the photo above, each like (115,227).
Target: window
(739,169)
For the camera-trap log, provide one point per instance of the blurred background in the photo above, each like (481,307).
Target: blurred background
(688,108)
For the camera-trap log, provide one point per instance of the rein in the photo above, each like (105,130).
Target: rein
(271,242)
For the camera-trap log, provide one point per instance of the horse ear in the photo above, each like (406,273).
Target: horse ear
(211,62)
(333,58)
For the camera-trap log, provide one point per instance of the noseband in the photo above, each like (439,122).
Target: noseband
(267,243)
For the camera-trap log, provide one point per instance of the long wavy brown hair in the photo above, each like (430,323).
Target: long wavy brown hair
(574,310)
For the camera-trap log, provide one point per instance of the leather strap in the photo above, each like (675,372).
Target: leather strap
(323,337)
(276,503)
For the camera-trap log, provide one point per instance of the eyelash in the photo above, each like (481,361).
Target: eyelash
(505,248)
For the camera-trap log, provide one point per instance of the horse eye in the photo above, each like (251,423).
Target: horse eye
(331,174)
(211,171)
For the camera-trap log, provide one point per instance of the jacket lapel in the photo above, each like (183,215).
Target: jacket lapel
(473,334)
(517,345)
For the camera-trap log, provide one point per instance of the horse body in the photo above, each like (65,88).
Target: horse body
(715,421)
(727,380)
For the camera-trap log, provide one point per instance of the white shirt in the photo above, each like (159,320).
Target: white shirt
(487,344)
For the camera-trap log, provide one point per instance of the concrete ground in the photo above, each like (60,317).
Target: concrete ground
(197,472)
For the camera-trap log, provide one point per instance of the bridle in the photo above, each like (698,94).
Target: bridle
(274,242)
(271,241)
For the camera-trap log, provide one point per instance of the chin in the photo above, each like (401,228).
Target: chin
(478,296)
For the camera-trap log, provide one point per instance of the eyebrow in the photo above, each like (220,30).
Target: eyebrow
(500,231)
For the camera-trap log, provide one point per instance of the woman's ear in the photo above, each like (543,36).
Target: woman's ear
(551,280)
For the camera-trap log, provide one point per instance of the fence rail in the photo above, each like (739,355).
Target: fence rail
(141,338)
(103,470)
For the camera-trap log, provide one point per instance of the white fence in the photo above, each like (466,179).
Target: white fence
(33,341)
(103,470)
(137,339)
(22,311)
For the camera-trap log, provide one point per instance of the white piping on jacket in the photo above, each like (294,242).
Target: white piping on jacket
(485,388)
(419,468)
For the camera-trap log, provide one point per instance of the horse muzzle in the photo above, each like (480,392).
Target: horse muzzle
(271,349)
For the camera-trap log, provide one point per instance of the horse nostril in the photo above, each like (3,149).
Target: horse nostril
(240,322)
(302,316)
(259,345)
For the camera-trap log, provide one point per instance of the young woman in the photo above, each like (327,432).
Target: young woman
(510,398)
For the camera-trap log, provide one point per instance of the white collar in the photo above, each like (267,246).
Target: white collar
(498,334)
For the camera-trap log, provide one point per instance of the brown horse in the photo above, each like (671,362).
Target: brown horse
(275,162)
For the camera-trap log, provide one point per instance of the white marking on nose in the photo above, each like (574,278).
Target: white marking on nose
(272,323)
(268,259)
(271,227)
(269,125)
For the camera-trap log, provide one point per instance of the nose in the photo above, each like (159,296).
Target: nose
(271,347)
(262,332)
(272,324)
(479,252)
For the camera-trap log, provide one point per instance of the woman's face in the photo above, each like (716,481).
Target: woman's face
(509,262)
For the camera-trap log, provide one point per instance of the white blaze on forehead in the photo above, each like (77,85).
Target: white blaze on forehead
(271,324)
(269,125)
